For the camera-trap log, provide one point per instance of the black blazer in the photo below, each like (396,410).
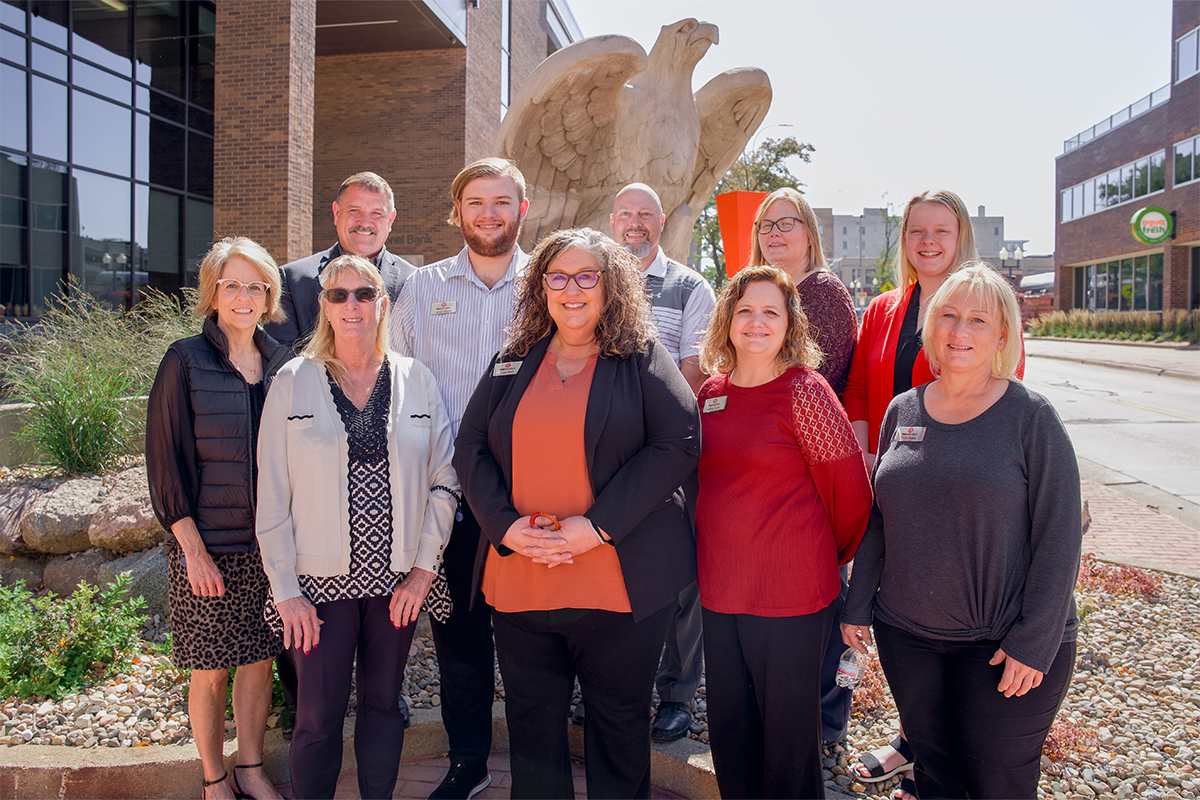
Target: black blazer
(642,436)
(301,289)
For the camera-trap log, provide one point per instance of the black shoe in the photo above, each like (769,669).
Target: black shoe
(464,780)
(671,722)
(287,722)
(577,713)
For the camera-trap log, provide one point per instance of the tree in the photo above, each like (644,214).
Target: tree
(881,268)
(763,169)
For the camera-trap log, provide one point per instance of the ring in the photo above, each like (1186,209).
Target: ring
(551,517)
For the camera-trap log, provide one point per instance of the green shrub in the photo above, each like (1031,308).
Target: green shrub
(1138,326)
(51,646)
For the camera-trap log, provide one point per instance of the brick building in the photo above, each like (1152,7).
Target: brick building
(1145,155)
(134,131)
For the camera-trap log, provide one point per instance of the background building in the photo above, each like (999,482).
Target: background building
(1143,155)
(134,131)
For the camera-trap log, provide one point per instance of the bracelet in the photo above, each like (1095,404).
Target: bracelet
(596,531)
(551,517)
(458,496)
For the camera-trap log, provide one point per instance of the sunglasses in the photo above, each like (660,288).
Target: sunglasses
(363,294)
(231,287)
(784,225)
(584,279)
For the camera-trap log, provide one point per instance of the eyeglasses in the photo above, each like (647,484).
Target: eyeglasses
(363,294)
(231,287)
(784,225)
(584,279)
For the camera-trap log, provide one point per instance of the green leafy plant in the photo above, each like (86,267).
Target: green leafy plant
(51,646)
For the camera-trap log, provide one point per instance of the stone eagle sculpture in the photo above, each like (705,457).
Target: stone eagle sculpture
(601,113)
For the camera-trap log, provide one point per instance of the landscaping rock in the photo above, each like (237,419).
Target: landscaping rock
(63,574)
(58,521)
(13,502)
(15,568)
(148,578)
(125,521)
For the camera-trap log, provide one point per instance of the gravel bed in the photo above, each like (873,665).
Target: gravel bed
(1130,724)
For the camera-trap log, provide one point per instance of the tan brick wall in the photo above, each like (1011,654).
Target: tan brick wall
(262,166)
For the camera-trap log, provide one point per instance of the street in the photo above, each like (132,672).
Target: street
(1136,433)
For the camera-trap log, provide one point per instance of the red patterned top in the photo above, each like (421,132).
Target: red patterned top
(784,496)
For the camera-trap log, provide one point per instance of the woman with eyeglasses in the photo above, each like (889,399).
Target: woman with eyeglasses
(356,500)
(202,423)
(786,236)
(571,454)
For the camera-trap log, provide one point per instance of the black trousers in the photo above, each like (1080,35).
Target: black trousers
(969,740)
(351,627)
(835,700)
(615,658)
(683,654)
(763,679)
(465,653)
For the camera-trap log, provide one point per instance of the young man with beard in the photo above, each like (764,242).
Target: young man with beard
(451,317)
(681,301)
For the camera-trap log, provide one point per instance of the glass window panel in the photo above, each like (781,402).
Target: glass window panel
(157,226)
(1114,285)
(166,154)
(12,47)
(14,269)
(1090,288)
(1101,286)
(101,82)
(50,22)
(1089,197)
(1066,205)
(101,249)
(199,226)
(202,55)
(141,97)
(1126,183)
(1106,191)
(12,121)
(1076,202)
(1141,178)
(1185,56)
(200,165)
(1078,287)
(1183,161)
(141,147)
(1127,289)
(1154,289)
(101,134)
(160,43)
(1139,283)
(49,119)
(12,14)
(200,120)
(50,62)
(101,34)
(164,106)
(1158,172)
(48,237)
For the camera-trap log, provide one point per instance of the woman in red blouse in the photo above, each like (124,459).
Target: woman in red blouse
(784,499)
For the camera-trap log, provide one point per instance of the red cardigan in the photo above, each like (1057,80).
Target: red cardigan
(872,368)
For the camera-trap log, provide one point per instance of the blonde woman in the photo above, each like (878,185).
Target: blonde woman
(356,500)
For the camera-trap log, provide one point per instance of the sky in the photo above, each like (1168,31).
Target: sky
(899,96)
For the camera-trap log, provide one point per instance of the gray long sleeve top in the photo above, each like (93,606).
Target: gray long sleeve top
(975,533)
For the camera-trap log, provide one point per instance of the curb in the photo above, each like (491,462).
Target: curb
(1142,563)
(1164,372)
(1122,342)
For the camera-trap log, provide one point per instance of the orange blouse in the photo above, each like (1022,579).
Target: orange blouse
(549,469)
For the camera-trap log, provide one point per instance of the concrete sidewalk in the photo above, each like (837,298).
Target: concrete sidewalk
(1167,360)
(1127,532)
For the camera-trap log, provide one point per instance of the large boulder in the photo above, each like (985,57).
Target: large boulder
(58,521)
(125,521)
(15,568)
(148,577)
(13,503)
(63,573)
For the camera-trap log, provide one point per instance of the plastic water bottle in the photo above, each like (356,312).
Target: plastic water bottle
(850,670)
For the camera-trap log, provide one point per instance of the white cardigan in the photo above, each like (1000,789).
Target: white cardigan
(303,511)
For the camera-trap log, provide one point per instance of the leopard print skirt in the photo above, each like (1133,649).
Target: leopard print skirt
(226,631)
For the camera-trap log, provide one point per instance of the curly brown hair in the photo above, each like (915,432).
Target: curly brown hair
(624,327)
(799,348)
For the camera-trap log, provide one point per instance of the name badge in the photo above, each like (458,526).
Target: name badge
(910,434)
(715,404)
(444,307)
(506,368)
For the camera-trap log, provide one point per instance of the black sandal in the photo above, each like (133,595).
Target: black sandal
(907,786)
(204,791)
(237,787)
(875,770)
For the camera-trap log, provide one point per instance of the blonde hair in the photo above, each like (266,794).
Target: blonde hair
(816,253)
(624,327)
(717,353)
(490,167)
(997,296)
(321,348)
(904,273)
(253,254)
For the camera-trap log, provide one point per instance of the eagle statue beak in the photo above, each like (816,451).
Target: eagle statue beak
(705,31)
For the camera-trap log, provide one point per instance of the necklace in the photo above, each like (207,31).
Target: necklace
(249,369)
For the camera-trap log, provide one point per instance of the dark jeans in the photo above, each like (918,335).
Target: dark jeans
(969,739)
(465,653)
(615,658)
(763,683)
(351,627)
(683,654)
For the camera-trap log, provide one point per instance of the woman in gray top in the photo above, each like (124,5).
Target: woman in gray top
(968,566)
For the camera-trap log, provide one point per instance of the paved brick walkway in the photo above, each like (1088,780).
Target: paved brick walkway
(1123,530)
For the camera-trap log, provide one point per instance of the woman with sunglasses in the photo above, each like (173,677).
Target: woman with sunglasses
(356,500)
(571,453)
(201,426)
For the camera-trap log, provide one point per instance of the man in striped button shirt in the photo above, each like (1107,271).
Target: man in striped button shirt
(451,316)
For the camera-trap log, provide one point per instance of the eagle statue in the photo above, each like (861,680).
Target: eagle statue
(600,114)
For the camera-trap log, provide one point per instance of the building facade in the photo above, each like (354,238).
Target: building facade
(134,132)
(1142,157)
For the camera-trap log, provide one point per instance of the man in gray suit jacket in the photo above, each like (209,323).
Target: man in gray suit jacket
(363,213)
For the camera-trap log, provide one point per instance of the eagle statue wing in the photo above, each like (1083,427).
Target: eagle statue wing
(561,122)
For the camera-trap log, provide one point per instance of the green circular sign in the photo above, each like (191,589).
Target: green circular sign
(1152,225)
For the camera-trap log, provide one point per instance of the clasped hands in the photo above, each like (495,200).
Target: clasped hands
(548,546)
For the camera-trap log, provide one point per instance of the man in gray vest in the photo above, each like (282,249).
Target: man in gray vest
(682,302)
